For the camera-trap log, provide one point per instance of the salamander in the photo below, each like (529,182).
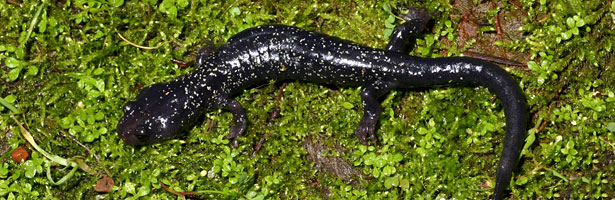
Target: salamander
(164,110)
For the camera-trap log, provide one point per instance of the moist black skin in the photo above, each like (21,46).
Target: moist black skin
(164,110)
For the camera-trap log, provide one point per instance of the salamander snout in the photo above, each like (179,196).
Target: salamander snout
(159,113)
(127,127)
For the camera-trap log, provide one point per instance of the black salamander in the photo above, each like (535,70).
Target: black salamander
(164,110)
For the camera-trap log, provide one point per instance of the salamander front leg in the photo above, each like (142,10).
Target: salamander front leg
(239,116)
(371,112)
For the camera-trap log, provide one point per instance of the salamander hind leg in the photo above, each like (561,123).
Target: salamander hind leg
(416,20)
(371,112)
(239,116)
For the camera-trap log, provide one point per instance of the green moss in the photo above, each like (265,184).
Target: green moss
(69,72)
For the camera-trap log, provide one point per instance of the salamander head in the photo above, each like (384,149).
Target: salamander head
(159,113)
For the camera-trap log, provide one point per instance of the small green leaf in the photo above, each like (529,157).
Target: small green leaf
(116,3)
(100,116)
(570,22)
(14,74)
(52,22)
(362,149)
(567,34)
(570,144)
(172,12)
(522,180)
(143,190)
(390,19)
(167,3)
(388,32)
(397,157)
(369,158)
(4,170)
(98,71)
(389,26)
(388,170)
(235,11)
(387,8)
(99,34)
(580,23)
(89,136)
(32,70)
(12,62)
(424,51)
(611,126)
(42,26)
(100,85)
(380,162)
(168,7)
(102,131)
(575,31)
(541,78)
(391,182)
(90,119)
(182,3)
(9,48)
(129,187)
(429,40)
(30,169)
(404,184)
(347,105)
(376,172)
(20,53)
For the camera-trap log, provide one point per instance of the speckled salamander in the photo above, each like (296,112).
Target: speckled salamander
(162,111)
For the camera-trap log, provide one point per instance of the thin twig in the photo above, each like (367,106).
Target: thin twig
(276,110)
(274,115)
(13,2)
(139,46)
